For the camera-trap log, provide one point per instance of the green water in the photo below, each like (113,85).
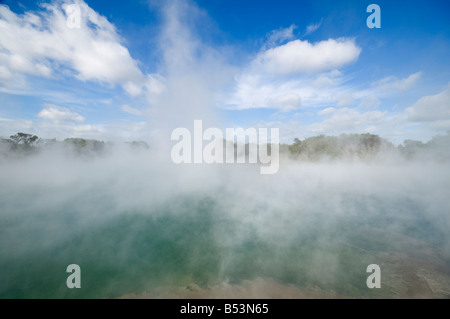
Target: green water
(192,240)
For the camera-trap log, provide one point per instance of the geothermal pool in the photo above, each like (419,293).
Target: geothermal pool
(139,228)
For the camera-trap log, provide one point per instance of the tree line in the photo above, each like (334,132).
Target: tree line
(345,146)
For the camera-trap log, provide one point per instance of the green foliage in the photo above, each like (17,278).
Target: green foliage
(19,144)
(348,146)
(24,138)
(138,145)
(83,146)
(438,147)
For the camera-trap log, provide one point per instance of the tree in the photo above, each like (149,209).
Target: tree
(295,148)
(24,138)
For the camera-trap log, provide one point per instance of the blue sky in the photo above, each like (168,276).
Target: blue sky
(138,69)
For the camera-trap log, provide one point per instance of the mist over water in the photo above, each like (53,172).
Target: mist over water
(135,223)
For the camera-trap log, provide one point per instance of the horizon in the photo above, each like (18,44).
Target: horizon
(400,143)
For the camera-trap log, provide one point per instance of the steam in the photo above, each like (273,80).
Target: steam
(135,221)
(193,73)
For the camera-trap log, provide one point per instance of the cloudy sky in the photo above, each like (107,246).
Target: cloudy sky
(136,68)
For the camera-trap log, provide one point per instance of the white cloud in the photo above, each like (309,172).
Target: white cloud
(392,83)
(313,27)
(430,113)
(287,102)
(155,84)
(323,81)
(112,131)
(12,126)
(131,110)
(59,114)
(124,131)
(41,43)
(297,71)
(340,120)
(369,102)
(278,36)
(430,108)
(302,56)
(15,62)
(255,90)
(5,75)
(345,99)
